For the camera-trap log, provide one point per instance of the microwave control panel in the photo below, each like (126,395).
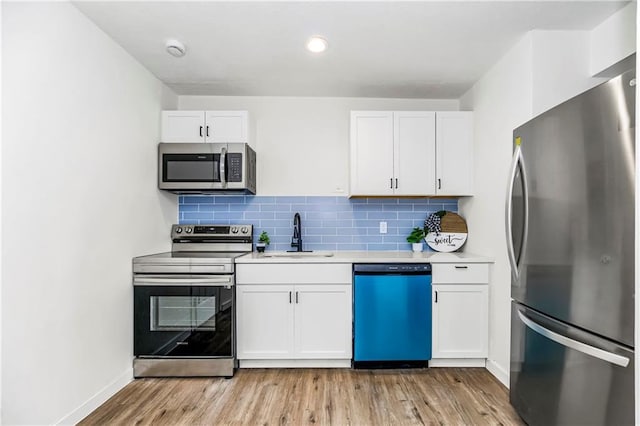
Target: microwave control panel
(234,161)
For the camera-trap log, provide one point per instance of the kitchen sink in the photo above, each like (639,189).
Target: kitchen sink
(299,254)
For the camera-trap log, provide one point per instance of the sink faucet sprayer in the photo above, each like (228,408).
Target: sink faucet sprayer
(296,240)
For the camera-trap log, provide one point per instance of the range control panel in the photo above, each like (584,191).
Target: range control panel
(211,232)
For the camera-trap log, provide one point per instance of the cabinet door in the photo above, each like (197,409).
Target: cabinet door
(264,321)
(414,153)
(454,153)
(460,321)
(227,126)
(323,321)
(372,153)
(183,126)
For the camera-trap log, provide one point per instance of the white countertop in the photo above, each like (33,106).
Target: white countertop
(364,257)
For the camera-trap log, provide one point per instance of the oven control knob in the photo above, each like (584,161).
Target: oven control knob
(178,230)
(244,229)
(234,230)
(188,230)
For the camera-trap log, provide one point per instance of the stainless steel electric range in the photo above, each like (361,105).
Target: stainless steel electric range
(184,303)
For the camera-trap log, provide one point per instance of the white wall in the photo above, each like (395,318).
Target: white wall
(302,144)
(81,124)
(501,100)
(613,40)
(560,67)
(542,70)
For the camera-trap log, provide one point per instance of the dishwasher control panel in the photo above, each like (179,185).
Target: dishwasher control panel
(392,267)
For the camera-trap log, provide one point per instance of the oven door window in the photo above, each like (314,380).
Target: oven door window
(180,313)
(183,321)
(191,168)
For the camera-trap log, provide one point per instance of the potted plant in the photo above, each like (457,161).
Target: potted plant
(263,241)
(415,238)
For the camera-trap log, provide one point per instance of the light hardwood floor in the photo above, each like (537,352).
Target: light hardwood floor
(437,396)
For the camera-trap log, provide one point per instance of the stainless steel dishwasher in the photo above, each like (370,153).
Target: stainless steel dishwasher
(392,315)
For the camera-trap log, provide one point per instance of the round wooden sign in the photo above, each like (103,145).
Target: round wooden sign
(453,231)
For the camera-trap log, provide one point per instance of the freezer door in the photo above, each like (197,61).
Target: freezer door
(561,375)
(571,206)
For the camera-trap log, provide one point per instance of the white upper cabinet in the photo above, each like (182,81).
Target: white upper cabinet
(454,153)
(411,153)
(205,126)
(414,144)
(372,153)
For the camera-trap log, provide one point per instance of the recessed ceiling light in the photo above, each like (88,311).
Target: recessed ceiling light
(317,44)
(176,48)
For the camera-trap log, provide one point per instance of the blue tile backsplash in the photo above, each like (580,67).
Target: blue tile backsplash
(328,223)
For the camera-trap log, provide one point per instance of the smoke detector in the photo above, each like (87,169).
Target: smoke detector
(176,48)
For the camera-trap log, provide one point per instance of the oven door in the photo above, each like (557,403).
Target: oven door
(184,316)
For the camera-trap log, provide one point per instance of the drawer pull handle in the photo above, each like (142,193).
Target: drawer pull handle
(461,267)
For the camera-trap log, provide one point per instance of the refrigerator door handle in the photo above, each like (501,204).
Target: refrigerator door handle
(516,263)
(607,356)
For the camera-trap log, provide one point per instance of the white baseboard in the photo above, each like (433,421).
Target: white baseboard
(295,363)
(499,372)
(457,362)
(98,399)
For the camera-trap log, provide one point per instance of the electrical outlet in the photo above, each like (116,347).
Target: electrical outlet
(383,227)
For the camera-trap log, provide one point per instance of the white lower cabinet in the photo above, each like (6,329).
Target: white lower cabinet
(265,321)
(460,309)
(305,324)
(460,321)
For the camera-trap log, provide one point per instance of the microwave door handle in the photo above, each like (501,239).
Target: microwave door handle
(223,162)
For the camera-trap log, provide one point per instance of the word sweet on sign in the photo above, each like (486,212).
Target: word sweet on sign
(448,234)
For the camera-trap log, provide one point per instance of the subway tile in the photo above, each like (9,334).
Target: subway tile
(346,215)
(397,207)
(214,207)
(367,207)
(260,199)
(334,220)
(227,216)
(244,207)
(375,247)
(259,215)
(337,223)
(275,207)
(321,200)
(367,239)
(337,239)
(352,247)
(198,199)
(389,215)
(291,200)
(275,223)
(322,216)
(229,199)
(382,201)
(198,215)
(320,231)
(358,200)
(323,246)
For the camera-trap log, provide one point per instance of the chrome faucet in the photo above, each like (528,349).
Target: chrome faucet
(296,240)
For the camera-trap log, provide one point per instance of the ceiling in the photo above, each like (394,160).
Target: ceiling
(387,49)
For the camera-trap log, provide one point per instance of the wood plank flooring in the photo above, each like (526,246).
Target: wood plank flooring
(435,396)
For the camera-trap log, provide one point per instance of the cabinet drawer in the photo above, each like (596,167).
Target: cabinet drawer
(294,273)
(460,273)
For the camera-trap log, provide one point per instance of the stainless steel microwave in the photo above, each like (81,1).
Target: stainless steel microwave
(197,168)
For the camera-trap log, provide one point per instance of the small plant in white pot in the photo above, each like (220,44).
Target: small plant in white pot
(263,241)
(416,238)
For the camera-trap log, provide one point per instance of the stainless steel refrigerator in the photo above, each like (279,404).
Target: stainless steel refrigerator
(570,225)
